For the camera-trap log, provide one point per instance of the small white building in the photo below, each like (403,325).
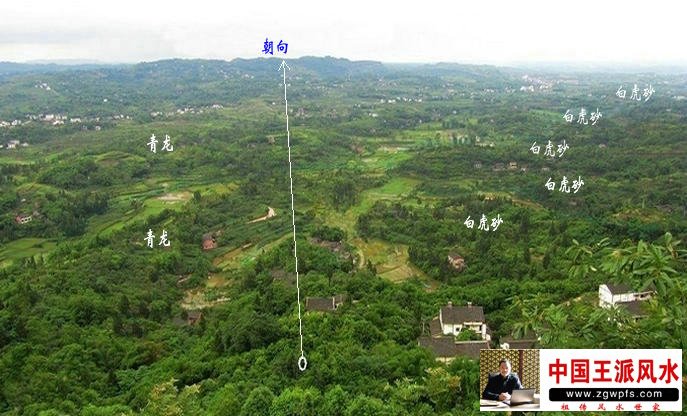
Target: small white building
(454,319)
(610,295)
(23,219)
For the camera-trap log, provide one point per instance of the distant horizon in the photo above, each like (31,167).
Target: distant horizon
(583,66)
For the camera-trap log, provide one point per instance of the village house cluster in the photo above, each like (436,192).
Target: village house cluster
(536,84)
(13,144)
(395,100)
(56,119)
(43,86)
(444,329)
(498,166)
(445,335)
(186,110)
(441,336)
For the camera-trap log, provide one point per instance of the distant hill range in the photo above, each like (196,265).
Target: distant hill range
(324,67)
(137,89)
(81,88)
(319,66)
(41,67)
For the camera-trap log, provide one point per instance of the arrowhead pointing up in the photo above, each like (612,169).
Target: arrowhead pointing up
(283,65)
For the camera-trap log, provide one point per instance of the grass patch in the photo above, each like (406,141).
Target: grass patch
(393,190)
(23,248)
(236,257)
(6,160)
(121,213)
(215,188)
(386,158)
(390,260)
(37,189)
(114,157)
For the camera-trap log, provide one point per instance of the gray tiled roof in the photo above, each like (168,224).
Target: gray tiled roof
(618,289)
(319,304)
(447,347)
(461,314)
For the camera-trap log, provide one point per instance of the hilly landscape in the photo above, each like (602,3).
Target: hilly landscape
(415,187)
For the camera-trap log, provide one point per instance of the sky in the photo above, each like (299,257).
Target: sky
(476,31)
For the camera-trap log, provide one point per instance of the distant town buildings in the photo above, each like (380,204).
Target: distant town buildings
(13,144)
(185,110)
(43,86)
(56,119)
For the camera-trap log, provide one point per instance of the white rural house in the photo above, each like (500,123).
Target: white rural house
(623,296)
(454,319)
(610,294)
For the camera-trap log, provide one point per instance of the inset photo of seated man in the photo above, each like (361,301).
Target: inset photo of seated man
(507,388)
(501,385)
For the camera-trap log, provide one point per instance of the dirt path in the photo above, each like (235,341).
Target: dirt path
(270,213)
(175,197)
(195,299)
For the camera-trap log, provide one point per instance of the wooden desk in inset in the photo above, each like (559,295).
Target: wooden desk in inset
(496,406)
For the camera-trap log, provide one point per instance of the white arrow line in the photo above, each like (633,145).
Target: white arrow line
(302,362)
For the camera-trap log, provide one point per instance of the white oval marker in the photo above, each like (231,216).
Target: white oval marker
(302,363)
